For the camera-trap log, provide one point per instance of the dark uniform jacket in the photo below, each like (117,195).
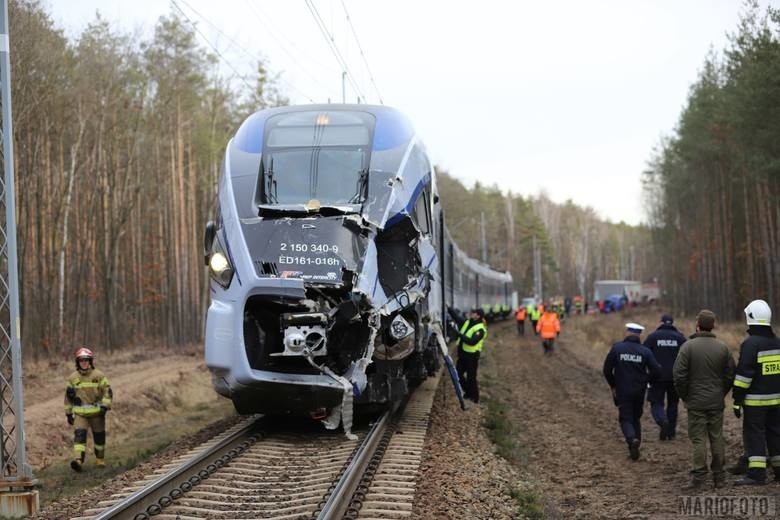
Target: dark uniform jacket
(703,372)
(665,343)
(757,382)
(627,365)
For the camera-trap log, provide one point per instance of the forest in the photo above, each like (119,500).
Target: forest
(117,151)
(118,142)
(712,187)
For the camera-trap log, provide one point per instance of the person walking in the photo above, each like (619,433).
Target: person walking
(627,368)
(549,326)
(534,313)
(664,343)
(88,397)
(471,339)
(757,392)
(703,373)
(520,314)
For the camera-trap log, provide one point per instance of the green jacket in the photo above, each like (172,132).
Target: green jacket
(703,372)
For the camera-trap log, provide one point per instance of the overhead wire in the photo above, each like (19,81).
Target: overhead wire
(268,24)
(333,47)
(232,42)
(362,54)
(208,42)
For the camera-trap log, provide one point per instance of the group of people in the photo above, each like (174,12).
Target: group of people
(700,371)
(545,322)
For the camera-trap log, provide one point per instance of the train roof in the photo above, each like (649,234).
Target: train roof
(392,127)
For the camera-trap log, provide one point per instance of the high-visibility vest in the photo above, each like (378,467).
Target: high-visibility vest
(549,326)
(520,314)
(470,332)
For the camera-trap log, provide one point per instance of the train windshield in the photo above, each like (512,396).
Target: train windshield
(317,158)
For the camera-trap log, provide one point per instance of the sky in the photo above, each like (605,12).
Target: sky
(567,98)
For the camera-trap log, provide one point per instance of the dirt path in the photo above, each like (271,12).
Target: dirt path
(562,406)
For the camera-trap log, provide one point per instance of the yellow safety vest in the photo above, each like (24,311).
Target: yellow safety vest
(470,332)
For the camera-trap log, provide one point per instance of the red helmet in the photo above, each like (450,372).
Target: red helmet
(84,352)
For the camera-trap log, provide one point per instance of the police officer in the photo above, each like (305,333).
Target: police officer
(664,343)
(626,370)
(87,399)
(471,338)
(757,392)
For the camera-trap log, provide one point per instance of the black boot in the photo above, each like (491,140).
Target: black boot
(747,481)
(633,449)
(694,485)
(664,435)
(740,468)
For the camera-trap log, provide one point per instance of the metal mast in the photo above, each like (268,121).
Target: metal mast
(16,480)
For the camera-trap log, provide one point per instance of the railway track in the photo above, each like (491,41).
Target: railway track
(249,473)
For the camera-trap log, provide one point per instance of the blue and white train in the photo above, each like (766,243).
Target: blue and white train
(326,257)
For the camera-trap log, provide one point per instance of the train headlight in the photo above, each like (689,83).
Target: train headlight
(220,269)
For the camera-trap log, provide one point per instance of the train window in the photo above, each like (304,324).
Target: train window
(331,176)
(318,155)
(318,128)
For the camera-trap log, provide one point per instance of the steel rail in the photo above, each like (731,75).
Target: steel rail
(339,500)
(156,495)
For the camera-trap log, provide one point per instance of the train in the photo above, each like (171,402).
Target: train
(332,275)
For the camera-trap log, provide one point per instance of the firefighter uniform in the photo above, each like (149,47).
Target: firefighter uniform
(471,339)
(757,390)
(88,397)
(626,370)
(664,343)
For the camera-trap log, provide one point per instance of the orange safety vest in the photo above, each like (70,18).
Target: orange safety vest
(520,314)
(548,325)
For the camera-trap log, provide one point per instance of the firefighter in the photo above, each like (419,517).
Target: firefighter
(471,339)
(520,318)
(757,394)
(626,370)
(549,327)
(87,399)
(665,343)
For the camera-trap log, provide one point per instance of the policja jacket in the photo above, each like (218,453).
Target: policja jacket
(627,364)
(703,372)
(665,343)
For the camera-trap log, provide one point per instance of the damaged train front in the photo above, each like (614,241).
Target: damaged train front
(294,325)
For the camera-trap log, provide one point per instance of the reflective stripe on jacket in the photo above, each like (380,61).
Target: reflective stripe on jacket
(469,332)
(90,389)
(757,382)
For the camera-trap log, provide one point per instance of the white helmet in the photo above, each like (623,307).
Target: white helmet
(758,313)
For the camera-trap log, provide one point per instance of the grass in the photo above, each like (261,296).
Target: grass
(59,481)
(502,433)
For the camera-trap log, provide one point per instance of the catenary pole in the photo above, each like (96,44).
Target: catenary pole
(18,496)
